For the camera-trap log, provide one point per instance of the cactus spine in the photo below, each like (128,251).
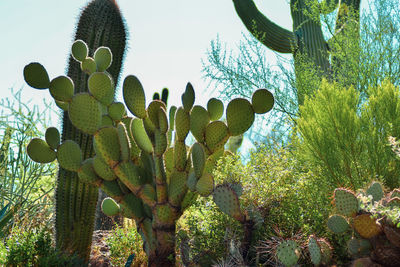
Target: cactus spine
(100,24)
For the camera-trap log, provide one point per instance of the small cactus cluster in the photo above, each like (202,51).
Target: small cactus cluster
(374,235)
(149,176)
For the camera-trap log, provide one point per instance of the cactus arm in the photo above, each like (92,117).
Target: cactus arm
(100,24)
(270,34)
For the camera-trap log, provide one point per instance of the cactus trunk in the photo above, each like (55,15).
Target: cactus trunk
(100,24)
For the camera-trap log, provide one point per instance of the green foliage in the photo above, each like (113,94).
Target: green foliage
(23,183)
(123,242)
(347,139)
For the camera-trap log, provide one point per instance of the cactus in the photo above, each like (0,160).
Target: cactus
(306,38)
(100,24)
(368,216)
(147,176)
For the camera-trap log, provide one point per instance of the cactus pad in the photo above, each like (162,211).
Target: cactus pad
(101,86)
(79,50)
(216,135)
(39,151)
(239,116)
(326,251)
(140,136)
(125,146)
(199,120)
(177,187)
(376,190)
(153,109)
(85,113)
(107,145)
(346,202)
(86,172)
(366,226)
(102,169)
(69,155)
(88,65)
(52,137)
(215,109)
(103,58)
(227,201)
(110,207)
(262,101)
(198,159)
(182,123)
(134,96)
(62,88)
(314,250)
(116,111)
(338,224)
(128,173)
(205,184)
(192,181)
(188,97)
(36,76)
(180,155)
(288,252)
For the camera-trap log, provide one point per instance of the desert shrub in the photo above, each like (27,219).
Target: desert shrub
(23,183)
(347,138)
(123,242)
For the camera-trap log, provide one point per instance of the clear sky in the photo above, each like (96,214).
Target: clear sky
(167,40)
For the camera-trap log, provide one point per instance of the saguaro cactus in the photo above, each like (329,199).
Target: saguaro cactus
(99,24)
(150,178)
(306,38)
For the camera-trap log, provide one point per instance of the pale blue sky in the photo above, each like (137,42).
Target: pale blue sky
(167,41)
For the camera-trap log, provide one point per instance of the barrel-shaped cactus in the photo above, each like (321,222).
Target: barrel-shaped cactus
(149,177)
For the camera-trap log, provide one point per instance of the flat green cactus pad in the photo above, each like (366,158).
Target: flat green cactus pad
(338,224)
(180,155)
(101,86)
(199,119)
(239,116)
(153,110)
(215,109)
(62,105)
(107,145)
(85,113)
(177,187)
(326,251)
(116,111)
(39,151)
(110,207)
(62,88)
(198,159)
(314,250)
(188,97)
(346,202)
(102,169)
(125,145)
(140,136)
(376,190)
(86,172)
(205,185)
(36,76)
(88,65)
(192,181)
(79,50)
(52,137)
(69,155)
(216,135)
(262,101)
(226,199)
(134,96)
(288,252)
(182,123)
(103,58)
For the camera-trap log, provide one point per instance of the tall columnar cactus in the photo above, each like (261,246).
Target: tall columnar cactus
(149,177)
(306,38)
(99,24)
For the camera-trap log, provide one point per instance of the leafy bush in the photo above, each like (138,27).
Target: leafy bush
(123,242)
(347,139)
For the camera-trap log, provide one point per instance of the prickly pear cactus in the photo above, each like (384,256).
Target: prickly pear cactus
(149,177)
(371,217)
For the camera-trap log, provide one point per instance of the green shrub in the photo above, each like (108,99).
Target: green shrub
(347,139)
